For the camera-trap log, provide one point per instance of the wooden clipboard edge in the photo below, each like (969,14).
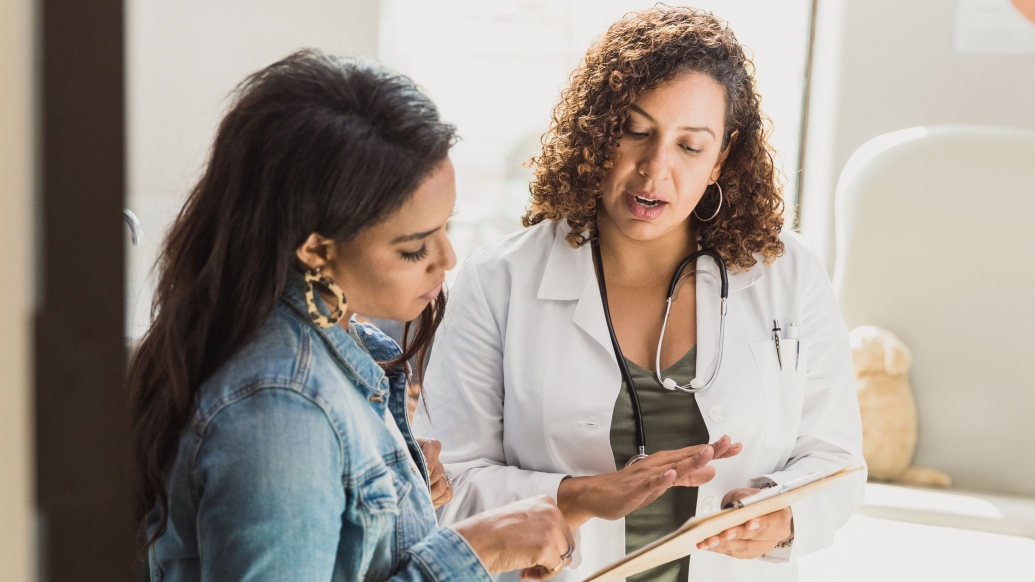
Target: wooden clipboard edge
(702,528)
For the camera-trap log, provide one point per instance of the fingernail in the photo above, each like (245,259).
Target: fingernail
(754,525)
(732,536)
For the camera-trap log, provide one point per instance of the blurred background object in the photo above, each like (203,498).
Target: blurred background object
(17,263)
(182,61)
(885,65)
(65,501)
(888,409)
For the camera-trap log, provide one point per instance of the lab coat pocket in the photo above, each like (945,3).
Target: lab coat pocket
(783,386)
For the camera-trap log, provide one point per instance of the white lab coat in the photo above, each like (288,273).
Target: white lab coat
(523,380)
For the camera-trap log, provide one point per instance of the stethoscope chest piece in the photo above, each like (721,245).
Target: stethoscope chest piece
(634,459)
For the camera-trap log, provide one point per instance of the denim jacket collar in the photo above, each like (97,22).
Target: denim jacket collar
(385,391)
(359,362)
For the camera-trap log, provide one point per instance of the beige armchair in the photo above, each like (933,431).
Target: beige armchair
(936,242)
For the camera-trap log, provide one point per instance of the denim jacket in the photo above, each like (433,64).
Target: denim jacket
(287,470)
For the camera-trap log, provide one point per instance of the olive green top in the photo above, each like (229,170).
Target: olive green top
(671,420)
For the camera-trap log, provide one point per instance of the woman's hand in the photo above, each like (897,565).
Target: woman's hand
(441,490)
(754,538)
(615,495)
(529,535)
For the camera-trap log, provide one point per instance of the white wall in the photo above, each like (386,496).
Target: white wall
(883,65)
(183,59)
(17,138)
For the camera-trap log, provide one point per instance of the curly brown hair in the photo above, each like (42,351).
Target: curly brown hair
(638,53)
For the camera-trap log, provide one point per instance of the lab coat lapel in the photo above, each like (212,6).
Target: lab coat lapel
(566,268)
(569,275)
(589,315)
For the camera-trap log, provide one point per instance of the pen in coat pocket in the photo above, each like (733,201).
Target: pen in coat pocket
(776,338)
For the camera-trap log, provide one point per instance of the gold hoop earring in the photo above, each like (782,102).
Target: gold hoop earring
(717,208)
(324,321)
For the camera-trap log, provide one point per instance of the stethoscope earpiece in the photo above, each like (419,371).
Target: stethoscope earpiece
(697,383)
(670,384)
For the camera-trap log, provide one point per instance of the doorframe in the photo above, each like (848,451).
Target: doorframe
(84,485)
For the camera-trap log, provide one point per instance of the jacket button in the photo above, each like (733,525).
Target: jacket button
(708,505)
(717,414)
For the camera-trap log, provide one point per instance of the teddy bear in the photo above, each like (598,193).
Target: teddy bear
(888,410)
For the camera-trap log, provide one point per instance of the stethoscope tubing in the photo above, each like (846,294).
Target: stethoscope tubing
(641,439)
(688,388)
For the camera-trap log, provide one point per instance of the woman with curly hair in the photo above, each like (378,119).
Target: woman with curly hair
(658,149)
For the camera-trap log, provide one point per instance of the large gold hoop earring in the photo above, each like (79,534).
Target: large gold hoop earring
(717,208)
(324,321)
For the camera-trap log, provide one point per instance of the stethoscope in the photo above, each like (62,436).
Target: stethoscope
(695,385)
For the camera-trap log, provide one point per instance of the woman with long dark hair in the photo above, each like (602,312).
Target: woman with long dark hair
(271,434)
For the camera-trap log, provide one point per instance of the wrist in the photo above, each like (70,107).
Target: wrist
(571,495)
(483,544)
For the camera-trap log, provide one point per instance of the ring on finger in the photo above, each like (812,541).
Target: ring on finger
(448,480)
(564,558)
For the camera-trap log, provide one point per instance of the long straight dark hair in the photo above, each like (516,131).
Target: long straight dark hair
(312,143)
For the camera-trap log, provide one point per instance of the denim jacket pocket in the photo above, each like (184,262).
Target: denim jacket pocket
(379,508)
(378,494)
